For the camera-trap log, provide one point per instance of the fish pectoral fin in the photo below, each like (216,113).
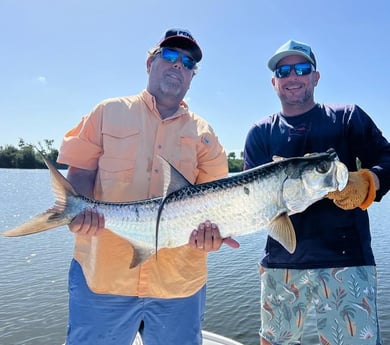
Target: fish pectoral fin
(141,254)
(282,230)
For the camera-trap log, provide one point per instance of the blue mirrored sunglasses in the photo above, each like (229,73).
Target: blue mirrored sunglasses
(303,68)
(171,55)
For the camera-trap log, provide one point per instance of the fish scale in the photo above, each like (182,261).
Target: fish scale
(239,207)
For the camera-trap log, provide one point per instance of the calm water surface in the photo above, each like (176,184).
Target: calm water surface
(33,273)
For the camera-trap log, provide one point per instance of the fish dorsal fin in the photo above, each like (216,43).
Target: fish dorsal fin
(282,230)
(173,179)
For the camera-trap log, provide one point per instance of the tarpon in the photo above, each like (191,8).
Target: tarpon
(262,197)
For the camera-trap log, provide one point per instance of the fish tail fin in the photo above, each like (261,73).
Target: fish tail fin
(282,230)
(53,217)
(41,222)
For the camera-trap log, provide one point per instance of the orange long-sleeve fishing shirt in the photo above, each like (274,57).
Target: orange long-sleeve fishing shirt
(121,138)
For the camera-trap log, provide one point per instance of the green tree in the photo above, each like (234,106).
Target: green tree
(26,157)
(235,164)
(8,156)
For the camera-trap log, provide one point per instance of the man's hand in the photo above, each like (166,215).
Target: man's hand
(89,223)
(208,238)
(360,191)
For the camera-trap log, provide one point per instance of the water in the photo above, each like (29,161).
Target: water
(33,273)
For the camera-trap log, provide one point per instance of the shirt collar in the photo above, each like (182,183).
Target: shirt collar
(150,101)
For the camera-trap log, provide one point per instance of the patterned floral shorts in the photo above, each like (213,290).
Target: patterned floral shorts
(344,300)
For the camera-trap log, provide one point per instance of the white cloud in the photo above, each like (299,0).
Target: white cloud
(42,80)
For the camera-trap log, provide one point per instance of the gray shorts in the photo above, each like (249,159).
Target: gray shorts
(344,300)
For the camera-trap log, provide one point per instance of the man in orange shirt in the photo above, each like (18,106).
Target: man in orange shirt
(113,156)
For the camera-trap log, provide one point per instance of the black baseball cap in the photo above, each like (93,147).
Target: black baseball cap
(181,38)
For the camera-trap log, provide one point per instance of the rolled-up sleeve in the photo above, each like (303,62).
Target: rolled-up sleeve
(82,145)
(212,159)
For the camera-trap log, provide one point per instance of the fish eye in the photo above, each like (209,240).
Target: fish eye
(323,167)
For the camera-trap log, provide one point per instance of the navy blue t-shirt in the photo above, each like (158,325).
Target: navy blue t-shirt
(327,236)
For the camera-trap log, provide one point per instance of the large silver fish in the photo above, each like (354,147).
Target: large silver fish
(245,203)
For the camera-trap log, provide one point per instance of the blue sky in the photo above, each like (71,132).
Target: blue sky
(59,58)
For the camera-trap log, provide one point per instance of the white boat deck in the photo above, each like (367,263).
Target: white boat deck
(208,339)
(215,339)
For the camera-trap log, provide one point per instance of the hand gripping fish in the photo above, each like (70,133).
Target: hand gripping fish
(262,197)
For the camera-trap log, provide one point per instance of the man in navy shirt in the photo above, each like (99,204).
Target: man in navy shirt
(333,267)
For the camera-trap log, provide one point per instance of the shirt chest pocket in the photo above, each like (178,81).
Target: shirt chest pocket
(120,147)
